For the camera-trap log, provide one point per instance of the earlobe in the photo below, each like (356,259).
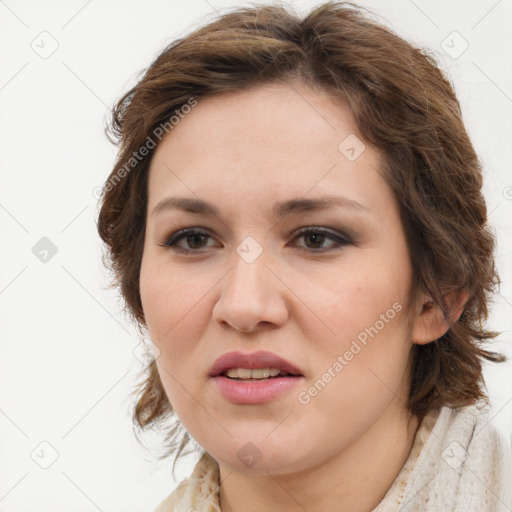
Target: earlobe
(431,323)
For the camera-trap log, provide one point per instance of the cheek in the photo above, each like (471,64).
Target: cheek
(174,319)
(176,311)
(363,368)
(357,299)
(365,322)
(166,295)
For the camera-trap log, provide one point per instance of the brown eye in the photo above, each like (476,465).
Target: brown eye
(314,239)
(194,240)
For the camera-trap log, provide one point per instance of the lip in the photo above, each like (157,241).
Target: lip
(252,391)
(261,359)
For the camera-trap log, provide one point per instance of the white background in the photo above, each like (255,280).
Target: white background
(66,354)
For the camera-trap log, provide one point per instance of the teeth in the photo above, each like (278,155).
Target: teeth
(259,373)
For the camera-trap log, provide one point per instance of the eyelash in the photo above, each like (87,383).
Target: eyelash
(171,240)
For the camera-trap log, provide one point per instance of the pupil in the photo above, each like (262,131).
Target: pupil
(315,236)
(192,238)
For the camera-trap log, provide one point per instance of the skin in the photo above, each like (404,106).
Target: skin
(244,151)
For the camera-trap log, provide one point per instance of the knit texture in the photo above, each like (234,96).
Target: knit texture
(459,462)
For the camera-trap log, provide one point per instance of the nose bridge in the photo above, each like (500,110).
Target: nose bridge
(250,272)
(250,294)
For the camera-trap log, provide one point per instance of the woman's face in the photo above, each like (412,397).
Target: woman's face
(332,302)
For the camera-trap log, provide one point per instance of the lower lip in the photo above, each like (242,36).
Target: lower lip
(254,392)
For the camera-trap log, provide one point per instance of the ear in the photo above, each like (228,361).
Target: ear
(430,322)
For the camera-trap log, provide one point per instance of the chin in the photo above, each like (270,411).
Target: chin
(257,455)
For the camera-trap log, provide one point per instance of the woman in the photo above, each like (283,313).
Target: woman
(296,221)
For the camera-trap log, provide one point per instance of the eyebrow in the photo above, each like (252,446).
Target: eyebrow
(198,206)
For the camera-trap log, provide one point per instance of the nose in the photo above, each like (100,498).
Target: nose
(252,297)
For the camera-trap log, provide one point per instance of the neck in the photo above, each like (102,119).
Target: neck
(355,479)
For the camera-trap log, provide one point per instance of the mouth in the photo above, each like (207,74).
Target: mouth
(257,374)
(255,378)
(254,365)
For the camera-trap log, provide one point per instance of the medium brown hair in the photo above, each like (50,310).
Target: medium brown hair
(402,104)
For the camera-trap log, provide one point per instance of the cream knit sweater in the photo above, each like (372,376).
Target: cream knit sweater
(459,462)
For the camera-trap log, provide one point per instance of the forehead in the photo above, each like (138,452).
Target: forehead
(253,122)
(271,140)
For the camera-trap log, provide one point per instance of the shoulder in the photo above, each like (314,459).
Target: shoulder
(167,505)
(198,492)
(465,463)
(468,434)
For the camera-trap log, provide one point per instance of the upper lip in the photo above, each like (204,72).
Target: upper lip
(261,359)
